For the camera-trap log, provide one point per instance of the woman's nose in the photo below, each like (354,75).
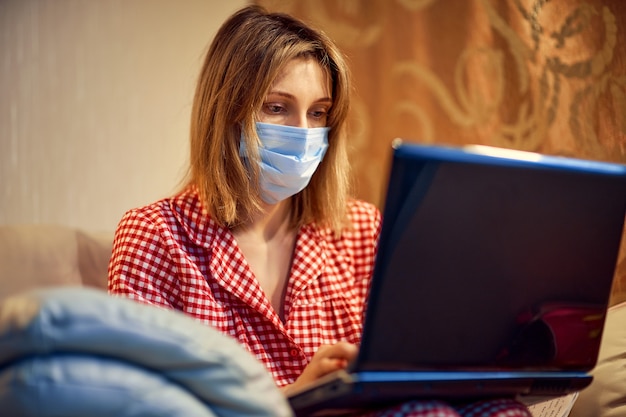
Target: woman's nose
(300,120)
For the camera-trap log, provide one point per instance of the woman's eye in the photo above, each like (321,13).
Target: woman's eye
(318,114)
(274,108)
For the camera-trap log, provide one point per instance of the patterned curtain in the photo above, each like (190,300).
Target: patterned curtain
(536,75)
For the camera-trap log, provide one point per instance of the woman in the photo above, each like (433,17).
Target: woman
(263,242)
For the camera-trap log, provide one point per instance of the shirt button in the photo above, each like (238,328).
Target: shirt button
(294,352)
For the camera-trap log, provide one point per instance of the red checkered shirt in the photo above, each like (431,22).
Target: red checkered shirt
(172,254)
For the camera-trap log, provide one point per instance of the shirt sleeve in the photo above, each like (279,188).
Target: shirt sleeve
(141,266)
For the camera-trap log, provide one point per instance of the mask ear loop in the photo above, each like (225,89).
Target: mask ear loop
(245,151)
(247,156)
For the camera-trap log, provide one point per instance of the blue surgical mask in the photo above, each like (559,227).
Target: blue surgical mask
(288,158)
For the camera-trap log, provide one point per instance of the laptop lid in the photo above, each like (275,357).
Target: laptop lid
(492,259)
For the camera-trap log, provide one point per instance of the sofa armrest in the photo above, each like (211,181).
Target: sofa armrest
(49,255)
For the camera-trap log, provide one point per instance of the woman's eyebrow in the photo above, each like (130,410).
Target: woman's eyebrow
(281,93)
(326,100)
(292,97)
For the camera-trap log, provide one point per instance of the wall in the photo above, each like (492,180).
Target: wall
(95,101)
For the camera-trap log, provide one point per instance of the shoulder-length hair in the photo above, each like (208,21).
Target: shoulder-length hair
(248,52)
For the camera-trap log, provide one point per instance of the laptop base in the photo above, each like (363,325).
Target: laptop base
(347,394)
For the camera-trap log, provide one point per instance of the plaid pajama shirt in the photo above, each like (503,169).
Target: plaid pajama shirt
(173,255)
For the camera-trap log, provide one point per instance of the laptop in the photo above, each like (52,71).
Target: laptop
(492,279)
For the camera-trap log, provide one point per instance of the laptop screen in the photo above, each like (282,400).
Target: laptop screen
(491,261)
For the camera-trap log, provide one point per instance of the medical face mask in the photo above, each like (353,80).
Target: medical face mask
(288,158)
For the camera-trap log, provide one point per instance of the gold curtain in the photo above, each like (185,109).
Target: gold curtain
(536,75)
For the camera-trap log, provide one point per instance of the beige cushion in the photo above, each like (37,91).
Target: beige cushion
(45,255)
(606,396)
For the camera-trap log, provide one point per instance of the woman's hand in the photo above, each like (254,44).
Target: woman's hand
(327,359)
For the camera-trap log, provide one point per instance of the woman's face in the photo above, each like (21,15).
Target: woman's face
(299,96)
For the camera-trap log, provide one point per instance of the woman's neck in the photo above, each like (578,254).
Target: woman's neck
(268,223)
(267,242)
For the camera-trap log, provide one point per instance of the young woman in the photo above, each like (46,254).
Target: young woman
(264,242)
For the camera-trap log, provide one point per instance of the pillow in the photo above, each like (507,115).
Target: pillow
(606,396)
(94,253)
(89,323)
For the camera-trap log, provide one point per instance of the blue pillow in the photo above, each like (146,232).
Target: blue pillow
(57,330)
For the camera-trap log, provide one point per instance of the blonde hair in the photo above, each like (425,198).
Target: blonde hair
(246,55)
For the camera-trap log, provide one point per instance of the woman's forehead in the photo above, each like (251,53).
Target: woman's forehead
(304,66)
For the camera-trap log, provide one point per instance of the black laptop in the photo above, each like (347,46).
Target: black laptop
(492,279)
